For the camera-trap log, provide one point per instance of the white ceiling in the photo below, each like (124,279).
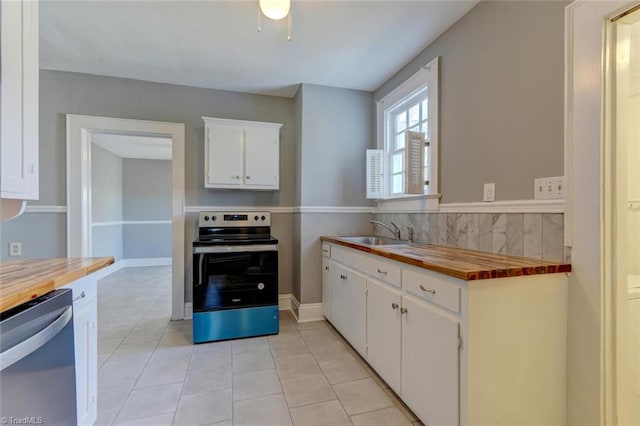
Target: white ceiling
(215,44)
(128,146)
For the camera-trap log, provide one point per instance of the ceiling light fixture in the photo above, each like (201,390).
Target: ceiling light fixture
(276,10)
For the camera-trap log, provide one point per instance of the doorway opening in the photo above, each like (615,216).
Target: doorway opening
(624,188)
(88,136)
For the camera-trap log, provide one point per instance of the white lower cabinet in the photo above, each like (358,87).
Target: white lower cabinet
(456,352)
(349,304)
(85,318)
(430,363)
(326,288)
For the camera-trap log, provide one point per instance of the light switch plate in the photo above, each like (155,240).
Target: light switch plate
(489,192)
(551,188)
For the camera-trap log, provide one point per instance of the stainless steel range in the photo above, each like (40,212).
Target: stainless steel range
(235,276)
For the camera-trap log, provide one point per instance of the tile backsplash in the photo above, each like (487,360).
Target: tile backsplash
(536,235)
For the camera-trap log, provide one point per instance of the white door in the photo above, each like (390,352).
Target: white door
(430,364)
(383,332)
(261,157)
(326,288)
(225,153)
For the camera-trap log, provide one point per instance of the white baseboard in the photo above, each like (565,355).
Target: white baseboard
(151,261)
(101,273)
(306,312)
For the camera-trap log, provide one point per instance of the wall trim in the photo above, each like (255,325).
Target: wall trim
(306,312)
(45,209)
(334,209)
(515,206)
(270,209)
(131,222)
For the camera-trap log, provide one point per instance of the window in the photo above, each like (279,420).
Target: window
(411,107)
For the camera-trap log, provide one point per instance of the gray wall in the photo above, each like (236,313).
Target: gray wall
(106,202)
(41,235)
(336,127)
(501,98)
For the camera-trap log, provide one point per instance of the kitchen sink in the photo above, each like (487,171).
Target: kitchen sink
(372,240)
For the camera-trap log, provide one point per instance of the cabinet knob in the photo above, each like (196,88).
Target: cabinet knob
(428,290)
(380,271)
(82,296)
(394,305)
(403,310)
(326,268)
(248,177)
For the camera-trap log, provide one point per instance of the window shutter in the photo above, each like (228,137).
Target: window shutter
(414,166)
(374,173)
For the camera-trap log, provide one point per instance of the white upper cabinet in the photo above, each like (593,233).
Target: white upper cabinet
(241,154)
(19,93)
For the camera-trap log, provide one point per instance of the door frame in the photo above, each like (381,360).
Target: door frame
(79,130)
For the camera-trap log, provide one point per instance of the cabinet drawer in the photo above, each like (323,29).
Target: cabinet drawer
(350,258)
(384,271)
(326,250)
(432,288)
(84,291)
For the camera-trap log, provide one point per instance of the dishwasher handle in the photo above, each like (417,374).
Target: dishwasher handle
(35,342)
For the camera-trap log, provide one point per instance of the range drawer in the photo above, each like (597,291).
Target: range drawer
(436,290)
(382,270)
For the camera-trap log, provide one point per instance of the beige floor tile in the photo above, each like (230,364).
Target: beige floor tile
(288,347)
(164,370)
(198,381)
(311,325)
(161,420)
(267,410)
(176,339)
(248,362)
(297,365)
(107,346)
(139,349)
(144,335)
(106,416)
(113,394)
(321,414)
(286,332)
(249,345)
(204,408)
(330,351)
(256,384)
(343,370)
(361,396)
(149,402)
(210,360)
(304,390)
(125,368)
(391,416)
(224,346)
(401,405)
(319,336)
(113,332)
(184,326)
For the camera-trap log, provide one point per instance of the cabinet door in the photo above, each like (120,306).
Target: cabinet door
(224,156)
(19,122)
(326,288)
(430,364)
(383,332)
(86,351)
(261,157)
(348,305)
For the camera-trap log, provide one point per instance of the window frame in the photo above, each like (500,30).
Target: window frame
(427,77)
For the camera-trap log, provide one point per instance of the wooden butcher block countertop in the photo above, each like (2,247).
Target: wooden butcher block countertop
(23,280)
(468,265)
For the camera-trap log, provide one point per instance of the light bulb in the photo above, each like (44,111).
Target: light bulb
(275,9)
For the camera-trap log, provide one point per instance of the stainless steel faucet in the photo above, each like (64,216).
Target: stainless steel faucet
(395,229)
(412,233)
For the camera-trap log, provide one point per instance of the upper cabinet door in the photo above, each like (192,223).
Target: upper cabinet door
(19,122)
(261,157)
(224,149)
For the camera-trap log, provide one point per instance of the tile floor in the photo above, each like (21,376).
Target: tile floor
(150,373)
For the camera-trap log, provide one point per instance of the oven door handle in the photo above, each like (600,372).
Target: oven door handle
(236,249)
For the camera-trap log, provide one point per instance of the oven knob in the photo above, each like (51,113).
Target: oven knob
(213,218)
(260,286)
(263,218)
(255,218)
(206,218)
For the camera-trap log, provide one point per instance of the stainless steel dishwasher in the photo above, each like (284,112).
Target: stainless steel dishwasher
(37,362)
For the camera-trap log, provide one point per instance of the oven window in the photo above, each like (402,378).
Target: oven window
(234,280)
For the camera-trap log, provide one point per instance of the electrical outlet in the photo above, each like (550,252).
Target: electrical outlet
(15,249)
(551,188)
(489,192)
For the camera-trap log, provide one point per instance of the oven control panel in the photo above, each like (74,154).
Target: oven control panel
(233,219)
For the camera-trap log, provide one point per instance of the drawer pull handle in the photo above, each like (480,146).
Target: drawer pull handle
(82,296)
(326,268)
(403,310)
(428,290)
(380,271)
(394,305)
